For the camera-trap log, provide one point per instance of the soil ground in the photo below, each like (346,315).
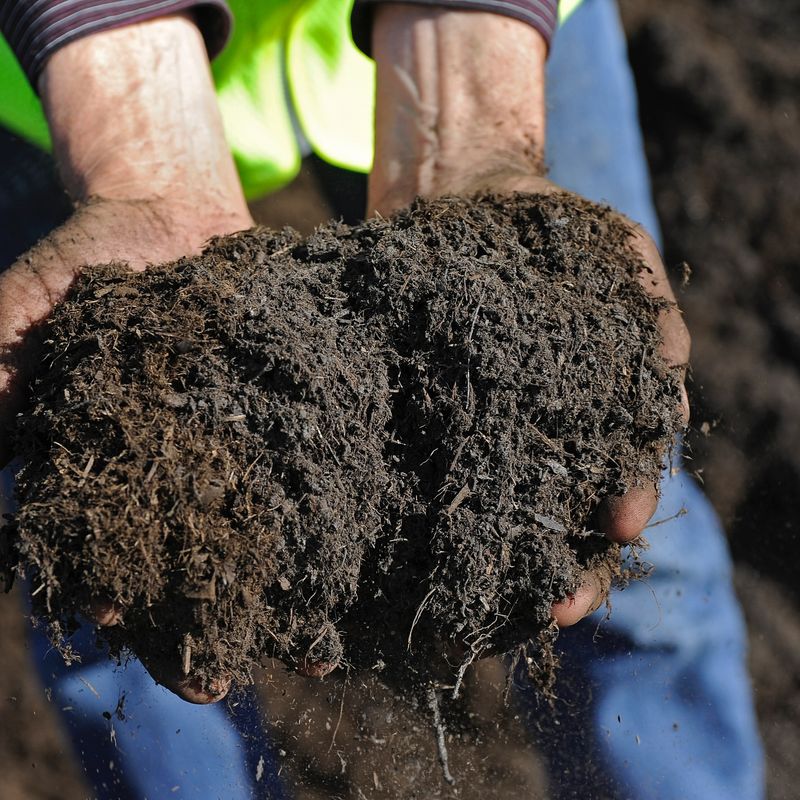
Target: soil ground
(720,113)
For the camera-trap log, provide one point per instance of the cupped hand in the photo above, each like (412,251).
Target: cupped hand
(131,232)
(621,518)
(624,518)
(134,233)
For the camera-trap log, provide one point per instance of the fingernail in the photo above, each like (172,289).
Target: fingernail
(317,669)
(105,613)
(200,693)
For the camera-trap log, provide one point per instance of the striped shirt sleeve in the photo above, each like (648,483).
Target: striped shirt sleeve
(541,14)
(35,29)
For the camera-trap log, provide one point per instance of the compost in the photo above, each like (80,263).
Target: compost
(379,446)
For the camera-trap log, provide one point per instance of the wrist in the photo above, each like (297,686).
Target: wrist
(133,116)
(460,101)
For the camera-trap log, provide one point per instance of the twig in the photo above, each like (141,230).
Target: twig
(462,495)
(283,250)
(469,343)
(461,672)
(420,609)
(441,745)
(86,470)
(187,656)
(681,513)
(89,686)
(341,711)
(320,636)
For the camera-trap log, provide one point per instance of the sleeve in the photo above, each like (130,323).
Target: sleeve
(541,14)
(35,30)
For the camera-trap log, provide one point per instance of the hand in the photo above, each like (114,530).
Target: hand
(460,110)
(143,155)
(133,232)
(145,159)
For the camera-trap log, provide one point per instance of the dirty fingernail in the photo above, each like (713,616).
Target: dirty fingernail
(199,693)
(317,669)
(105,612)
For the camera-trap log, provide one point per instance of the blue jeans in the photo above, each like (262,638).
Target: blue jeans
(137,740)
(654,699)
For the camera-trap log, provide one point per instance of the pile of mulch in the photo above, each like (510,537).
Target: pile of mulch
(380,446)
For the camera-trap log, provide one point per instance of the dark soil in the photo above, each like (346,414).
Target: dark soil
(353,737)
(36,761)
(376,446)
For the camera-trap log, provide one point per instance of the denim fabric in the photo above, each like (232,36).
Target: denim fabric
(654,698)
(157,746)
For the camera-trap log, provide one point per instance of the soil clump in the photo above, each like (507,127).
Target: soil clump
(379,446)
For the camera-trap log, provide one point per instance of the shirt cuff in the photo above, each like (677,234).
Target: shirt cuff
(541,14)
(36,30)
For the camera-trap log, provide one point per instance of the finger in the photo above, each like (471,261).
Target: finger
(676,346)
(654,278)
(322,655)
(190,688)
(675,350)
(574,607)
(317,669)
(684,406)
(105,612)
(623,518)
(198,692)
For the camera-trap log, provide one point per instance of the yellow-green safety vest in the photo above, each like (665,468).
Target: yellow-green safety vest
(300,48)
